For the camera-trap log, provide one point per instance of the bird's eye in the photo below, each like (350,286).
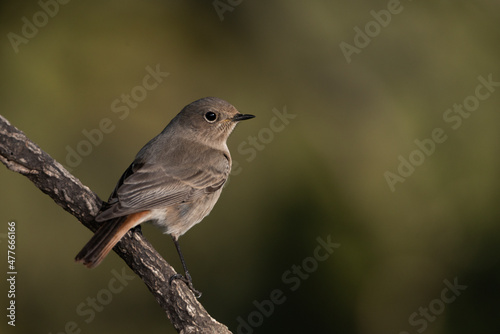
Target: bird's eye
(211,117)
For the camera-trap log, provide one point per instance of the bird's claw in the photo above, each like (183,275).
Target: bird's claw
(186,279)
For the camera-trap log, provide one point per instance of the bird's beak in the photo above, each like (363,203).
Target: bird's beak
(241,117)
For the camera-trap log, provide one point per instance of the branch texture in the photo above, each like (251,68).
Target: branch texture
(22,156)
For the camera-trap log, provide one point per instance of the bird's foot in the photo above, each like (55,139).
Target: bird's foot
(186,279)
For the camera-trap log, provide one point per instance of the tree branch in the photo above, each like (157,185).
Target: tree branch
(23,156)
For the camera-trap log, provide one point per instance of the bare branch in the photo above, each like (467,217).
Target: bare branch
(22,156)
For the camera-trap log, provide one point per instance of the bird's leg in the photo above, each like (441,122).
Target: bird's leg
(186,278)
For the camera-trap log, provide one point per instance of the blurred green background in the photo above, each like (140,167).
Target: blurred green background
(320,174)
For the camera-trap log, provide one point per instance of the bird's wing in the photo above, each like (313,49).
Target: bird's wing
(146,186)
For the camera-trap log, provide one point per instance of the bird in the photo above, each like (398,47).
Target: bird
(173,182)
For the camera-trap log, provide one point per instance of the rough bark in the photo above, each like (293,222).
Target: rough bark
(22,156)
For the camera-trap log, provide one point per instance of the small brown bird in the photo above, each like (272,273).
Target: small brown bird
(174,181)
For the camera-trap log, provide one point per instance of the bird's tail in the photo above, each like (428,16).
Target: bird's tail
(105,238)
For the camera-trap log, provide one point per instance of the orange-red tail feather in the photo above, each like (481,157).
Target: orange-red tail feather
(106,237)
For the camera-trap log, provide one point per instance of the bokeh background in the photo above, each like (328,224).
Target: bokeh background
(319,174)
